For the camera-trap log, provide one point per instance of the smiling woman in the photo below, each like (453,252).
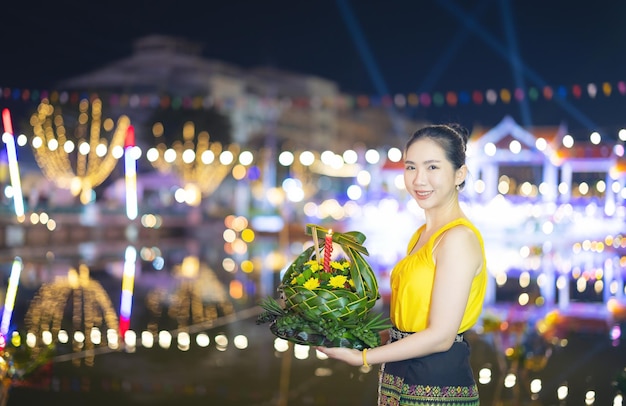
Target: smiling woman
(437,289)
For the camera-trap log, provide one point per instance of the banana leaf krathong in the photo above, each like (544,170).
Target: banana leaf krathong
(327,307)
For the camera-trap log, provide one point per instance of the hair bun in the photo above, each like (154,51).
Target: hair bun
(461,131)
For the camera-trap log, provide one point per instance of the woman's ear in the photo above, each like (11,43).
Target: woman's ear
(461,174)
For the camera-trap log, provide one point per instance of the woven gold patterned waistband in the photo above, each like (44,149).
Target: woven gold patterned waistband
(396,335)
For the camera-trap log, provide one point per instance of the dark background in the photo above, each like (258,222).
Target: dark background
(367,47)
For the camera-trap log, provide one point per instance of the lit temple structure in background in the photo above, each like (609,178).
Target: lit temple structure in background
(544,222)
(551,153)
(551,211)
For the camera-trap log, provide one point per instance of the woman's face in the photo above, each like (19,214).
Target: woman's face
(428,175)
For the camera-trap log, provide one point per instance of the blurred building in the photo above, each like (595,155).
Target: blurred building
(264,106)
(167,83)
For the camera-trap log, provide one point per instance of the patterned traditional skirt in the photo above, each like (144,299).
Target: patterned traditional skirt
(441,379)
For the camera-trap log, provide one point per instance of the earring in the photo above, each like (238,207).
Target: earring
(458,188)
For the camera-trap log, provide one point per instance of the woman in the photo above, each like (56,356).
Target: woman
(437,290)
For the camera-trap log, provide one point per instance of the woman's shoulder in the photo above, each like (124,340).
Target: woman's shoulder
(460,229)
(462,240)
(459,223)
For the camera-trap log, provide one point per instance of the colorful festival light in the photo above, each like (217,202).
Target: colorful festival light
(9,300)
(14,171)
(96,156)
(489,96)
(200,164)
(128,282)
(130,171)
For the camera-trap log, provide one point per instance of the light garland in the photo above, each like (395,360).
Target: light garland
(200,164)
(451,98)
(94,159)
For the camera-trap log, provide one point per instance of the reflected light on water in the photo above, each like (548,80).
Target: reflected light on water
(562,392)
(112,339)
(79,338)
(281,345)
(323,372)
(221,342)
(590,397)
(241,342)
(147,339)
(165,339)
(31,340)
(184,341)
(63,337)
(203,340)
(484,376)
(46,337)
(510,380)
(96,336)
(535,386)
(130,339)
(301,351)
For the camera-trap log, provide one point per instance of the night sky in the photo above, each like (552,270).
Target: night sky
(368,47)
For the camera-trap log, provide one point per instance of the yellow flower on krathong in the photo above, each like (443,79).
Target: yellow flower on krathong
(337,281)
(313,265)
(351,282)
(294,281)
(312,283)
(338,265)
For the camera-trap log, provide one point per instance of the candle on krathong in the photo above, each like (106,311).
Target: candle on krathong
(328,249)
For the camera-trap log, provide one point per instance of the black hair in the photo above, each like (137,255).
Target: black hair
(452,138)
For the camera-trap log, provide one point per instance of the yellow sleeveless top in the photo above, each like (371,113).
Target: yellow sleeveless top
(412,283)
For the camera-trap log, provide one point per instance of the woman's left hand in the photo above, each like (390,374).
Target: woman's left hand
(348,355)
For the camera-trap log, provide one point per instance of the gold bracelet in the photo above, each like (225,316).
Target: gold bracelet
(364,354)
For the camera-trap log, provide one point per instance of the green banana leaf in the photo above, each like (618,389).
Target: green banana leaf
(338,317)
(352,244)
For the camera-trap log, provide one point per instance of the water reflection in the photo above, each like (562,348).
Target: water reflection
(196,297)
(190,335)
(75,304)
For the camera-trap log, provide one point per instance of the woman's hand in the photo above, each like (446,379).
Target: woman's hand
(348,355)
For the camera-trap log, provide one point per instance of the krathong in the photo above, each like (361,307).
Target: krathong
(327,302)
